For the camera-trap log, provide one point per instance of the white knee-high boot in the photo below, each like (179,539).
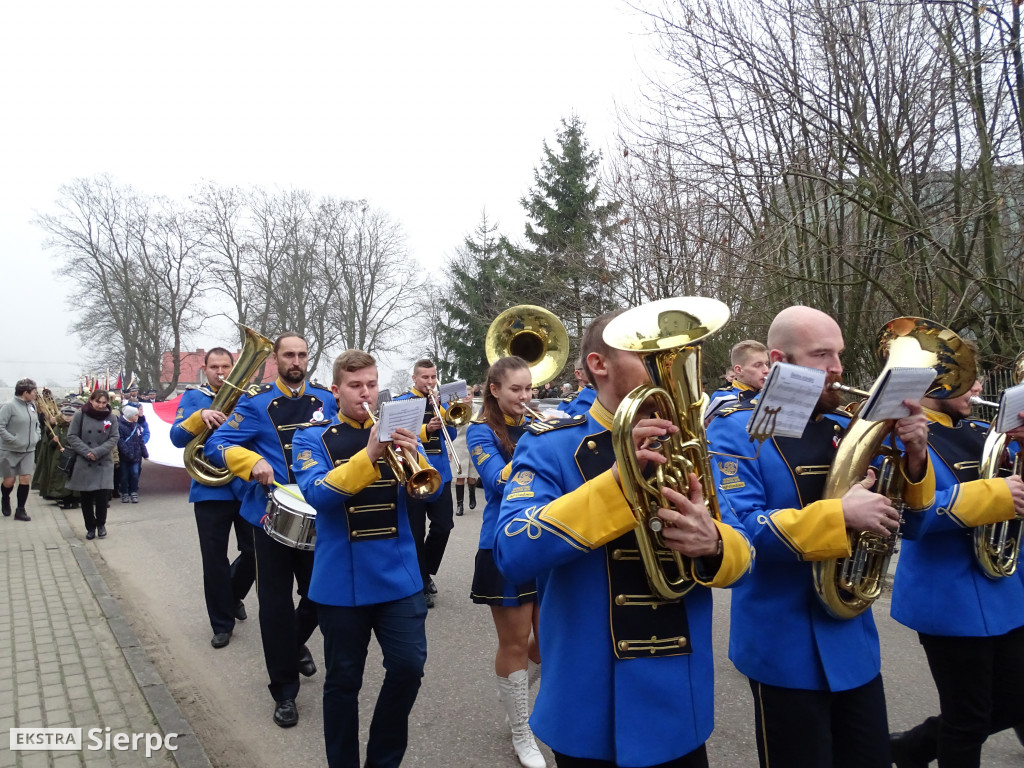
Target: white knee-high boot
(515,696)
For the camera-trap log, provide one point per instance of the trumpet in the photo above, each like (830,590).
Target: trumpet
(420,482)
(457,415)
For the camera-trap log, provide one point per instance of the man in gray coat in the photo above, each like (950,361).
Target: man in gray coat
(19,433)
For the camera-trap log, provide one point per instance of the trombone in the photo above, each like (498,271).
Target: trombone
(420,482)
(457,415)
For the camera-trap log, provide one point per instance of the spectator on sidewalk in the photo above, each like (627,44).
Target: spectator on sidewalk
(93,436)
(19,433)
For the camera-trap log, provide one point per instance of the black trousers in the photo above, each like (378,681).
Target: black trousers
(284,628)
(94,508)
(821,729)
(224,582)
(696,759)
(980,681)
(431,543)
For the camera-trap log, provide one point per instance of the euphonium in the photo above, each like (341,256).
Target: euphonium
(666,334)
(255,349)
(848,586)
(419,481)
(997,546)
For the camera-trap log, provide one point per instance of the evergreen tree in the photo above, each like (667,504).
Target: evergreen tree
(567,268)
(478,291)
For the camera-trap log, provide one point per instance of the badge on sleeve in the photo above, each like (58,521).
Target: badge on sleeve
(521,485)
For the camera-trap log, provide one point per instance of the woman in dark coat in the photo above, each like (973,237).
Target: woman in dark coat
(92,435)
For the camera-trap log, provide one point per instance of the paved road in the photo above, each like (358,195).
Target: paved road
(151,563)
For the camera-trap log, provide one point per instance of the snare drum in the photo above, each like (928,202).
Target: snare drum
(290,520)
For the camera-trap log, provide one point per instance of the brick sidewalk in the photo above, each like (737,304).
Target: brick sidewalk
(68,659)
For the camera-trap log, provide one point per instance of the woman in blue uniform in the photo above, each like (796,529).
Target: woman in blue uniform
(491,439)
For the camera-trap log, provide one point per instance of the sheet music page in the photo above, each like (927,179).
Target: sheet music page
(786,401)
(1011,403)
(404,414)
(455,390)
(895,386)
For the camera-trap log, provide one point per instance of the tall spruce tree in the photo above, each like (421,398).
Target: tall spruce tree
(568,229)
(479,290)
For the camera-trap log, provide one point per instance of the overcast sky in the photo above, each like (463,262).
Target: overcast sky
(431,111)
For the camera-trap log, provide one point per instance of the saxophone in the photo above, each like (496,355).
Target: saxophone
(848,586)
(666,334)
(255,349)
(997,545)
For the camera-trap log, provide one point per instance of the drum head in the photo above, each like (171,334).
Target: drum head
(285,498)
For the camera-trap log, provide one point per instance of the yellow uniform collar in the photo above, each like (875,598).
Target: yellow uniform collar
(286,390)
(601,414)
(354,422)
(939,418)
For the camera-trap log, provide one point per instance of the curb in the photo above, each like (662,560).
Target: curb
(190,753)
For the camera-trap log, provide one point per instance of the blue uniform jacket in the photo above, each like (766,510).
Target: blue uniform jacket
(365,552)
(261,427)
(553,523)
(187,424)
(780,634)
(494,468)
(434,444)
(578,402)
(939,588)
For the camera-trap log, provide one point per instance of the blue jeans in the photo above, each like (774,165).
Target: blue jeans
(130,476)
(400,627)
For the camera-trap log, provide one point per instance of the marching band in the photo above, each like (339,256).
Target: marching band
(607,522)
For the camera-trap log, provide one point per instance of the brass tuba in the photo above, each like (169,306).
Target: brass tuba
(666,334)
(997,546)
(848,586)
(532,333)
(255,349)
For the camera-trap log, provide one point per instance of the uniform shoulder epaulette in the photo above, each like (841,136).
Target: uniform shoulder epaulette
(540,426)
(324,423)
(478,419)
(739,406)
(315,383)
(571,397)
(259,391)
(191,386)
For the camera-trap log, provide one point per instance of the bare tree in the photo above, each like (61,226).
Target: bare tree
(854,149)
(135,272)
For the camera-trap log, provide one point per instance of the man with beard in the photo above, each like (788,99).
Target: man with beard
(217,508)
(255,443)
(816,680)
(616,658)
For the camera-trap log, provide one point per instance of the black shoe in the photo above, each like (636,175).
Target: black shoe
(429,598)
(307,667)
(458,510)
(472,500)
(5,507)
(285,713)
(90,535)
(21,514)
(240,613)
(102,531)
(431,586)
(899,750)
(221,639)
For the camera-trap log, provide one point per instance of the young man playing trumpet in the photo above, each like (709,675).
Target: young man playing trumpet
(365,569)
(431,543)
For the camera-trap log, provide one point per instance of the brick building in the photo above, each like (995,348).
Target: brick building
(191,362)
